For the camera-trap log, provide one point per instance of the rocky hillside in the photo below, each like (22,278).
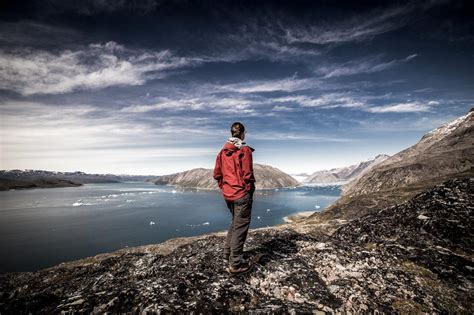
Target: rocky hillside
(416,257)
(345,174)
(444,153)
(7,184)
(267,177)
(17,179)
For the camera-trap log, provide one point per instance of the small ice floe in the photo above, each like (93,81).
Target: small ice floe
(276,189)
(268,210)
(205,223)
(152,222)
(129,200)
(80,203)
(259,218)
(173,191)
(317,207)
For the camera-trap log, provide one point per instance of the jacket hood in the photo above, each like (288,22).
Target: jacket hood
(230,148)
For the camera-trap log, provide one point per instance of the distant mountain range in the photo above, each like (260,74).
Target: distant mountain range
(6,184)
(344,174)
(200,178)
(16,179)
(442,154)
(267,177)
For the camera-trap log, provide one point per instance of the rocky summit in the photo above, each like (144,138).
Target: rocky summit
(416,256)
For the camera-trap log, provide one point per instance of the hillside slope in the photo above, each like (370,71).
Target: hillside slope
(345,174)
(267,177)
(444,153)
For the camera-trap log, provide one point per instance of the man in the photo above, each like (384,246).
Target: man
(234,174)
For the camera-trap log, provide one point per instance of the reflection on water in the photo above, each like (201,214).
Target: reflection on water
(43,227)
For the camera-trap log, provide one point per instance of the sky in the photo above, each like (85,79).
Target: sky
(152,86)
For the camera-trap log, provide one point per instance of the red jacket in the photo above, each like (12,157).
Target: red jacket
(234,171)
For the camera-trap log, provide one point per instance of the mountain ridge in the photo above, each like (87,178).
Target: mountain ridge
(443,153)
(267,177)
(345,173)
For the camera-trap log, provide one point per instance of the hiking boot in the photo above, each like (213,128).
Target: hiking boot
(225,259)
(241,268)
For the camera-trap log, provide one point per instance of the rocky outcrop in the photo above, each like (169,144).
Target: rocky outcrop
(19,179)
(267,177)
(411,258)
(345,174)
(442,154)
(7,184)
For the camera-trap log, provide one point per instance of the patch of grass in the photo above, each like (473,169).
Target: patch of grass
(371,246)
(409,307)
(442,296)
(418,270)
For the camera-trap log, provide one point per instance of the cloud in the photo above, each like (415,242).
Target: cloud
(405,123)
(95,67)
(355,28)
(299,136)
(280,108)
(330,100)
(254,42)
(365,65)
(409,107)
(287,85)
(207,103)
(81,137)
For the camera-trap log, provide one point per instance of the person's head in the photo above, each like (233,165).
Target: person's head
(237,130)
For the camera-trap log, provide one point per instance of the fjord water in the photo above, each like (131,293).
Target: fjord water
(43,227)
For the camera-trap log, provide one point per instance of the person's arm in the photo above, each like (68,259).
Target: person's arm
(247,168)
(218,171)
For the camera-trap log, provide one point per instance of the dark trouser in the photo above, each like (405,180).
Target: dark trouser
(241,210)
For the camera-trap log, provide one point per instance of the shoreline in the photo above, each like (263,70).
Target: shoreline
(297,216)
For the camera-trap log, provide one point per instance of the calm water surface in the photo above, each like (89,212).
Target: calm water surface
(43,227)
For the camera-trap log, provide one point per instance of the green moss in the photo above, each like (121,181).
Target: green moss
(418,270)
(409,307)
(441,294)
